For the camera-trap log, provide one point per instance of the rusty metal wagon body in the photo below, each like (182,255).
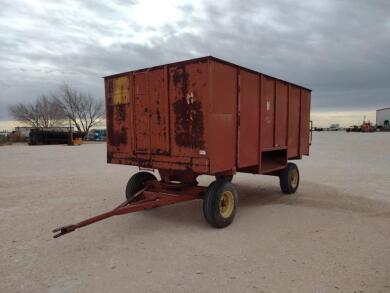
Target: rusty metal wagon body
(204,116)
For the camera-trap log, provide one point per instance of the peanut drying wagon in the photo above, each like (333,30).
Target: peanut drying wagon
(202,116)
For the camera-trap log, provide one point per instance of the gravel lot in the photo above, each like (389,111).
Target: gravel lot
(333,235)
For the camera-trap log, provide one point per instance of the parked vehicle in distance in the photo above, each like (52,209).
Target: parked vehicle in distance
(367,127)
(97,135)
(318,129)
(334,127)
(353,128)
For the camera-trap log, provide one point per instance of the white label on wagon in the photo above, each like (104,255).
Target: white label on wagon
(202,152)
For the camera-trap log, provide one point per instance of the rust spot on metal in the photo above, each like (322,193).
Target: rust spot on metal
(119,138)
(188,112)
(121,112)
(116,113)
(123,135)
(161,152)
(110,90)
(158,117)
(110,113)
(158,114)
(180,79)
(110,128)
(189,122)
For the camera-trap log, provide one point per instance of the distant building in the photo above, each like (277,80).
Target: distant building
(22,131)
(383,118)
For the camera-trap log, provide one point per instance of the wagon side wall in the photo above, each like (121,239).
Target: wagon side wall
(256,122)
(222,117)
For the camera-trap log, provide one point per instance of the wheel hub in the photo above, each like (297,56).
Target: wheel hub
(226,204)
(294,178)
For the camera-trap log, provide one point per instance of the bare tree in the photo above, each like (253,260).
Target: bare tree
(44,112)
(82,109)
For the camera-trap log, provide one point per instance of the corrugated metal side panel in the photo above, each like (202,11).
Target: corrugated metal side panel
(293,121)
(267,113)
(222,117)
(281,113)
(305,122)
(249,107)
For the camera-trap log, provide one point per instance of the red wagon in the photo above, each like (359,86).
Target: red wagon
(202,116)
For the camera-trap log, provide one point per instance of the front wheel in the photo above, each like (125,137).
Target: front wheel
(289,178)
(220,203)
(136,183)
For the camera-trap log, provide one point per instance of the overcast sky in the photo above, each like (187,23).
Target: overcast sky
(340,49)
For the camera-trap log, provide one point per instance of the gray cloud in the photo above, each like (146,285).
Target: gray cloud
(337,48)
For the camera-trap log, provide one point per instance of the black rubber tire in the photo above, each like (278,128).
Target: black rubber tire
(224,177)
(211,202)
(210,190)
(136,183)
(285,179)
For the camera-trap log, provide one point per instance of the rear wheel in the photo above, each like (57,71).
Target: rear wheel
(289,178)
(136,183)
(220,203)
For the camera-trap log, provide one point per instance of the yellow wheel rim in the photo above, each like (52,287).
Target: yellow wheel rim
(294,178)
(226,204)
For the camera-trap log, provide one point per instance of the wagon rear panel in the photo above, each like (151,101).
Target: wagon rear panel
(150,112)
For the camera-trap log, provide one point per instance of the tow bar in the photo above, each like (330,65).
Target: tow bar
(154,194)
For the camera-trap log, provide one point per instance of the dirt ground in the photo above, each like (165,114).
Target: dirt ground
(333,235)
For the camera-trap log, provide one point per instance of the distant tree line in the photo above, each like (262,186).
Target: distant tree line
(68,104)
